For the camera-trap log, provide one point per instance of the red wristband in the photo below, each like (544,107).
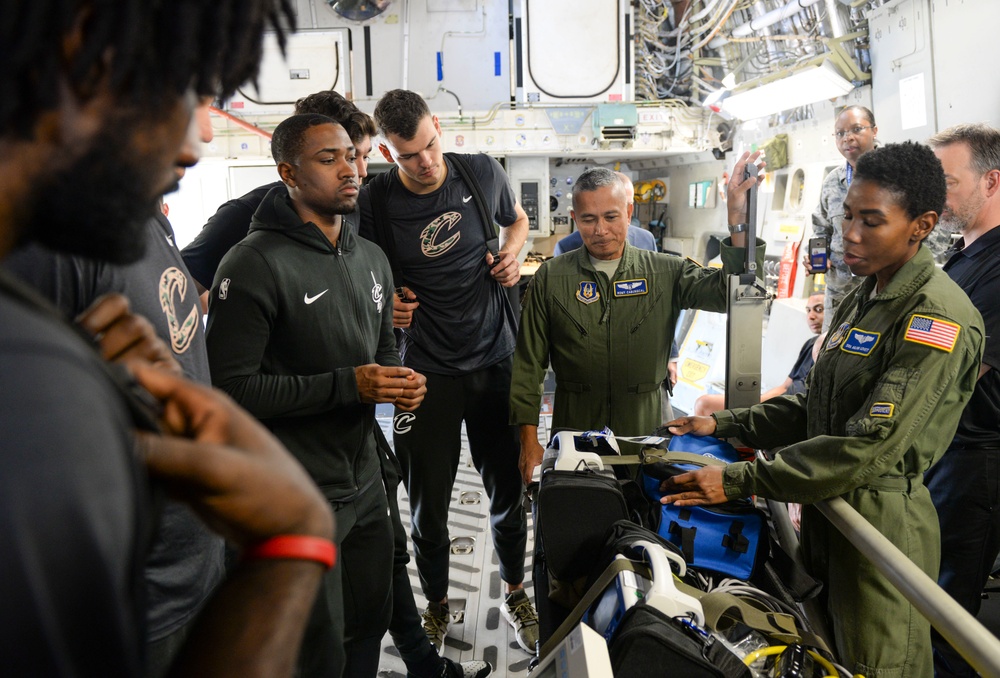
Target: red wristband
(294,547)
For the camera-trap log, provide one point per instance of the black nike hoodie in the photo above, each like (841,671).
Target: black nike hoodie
(290,317)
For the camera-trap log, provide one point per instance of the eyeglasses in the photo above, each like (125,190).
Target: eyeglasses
(854,131)
(818,308)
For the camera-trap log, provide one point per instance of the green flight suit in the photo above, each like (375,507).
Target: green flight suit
(609,340)
(881,407)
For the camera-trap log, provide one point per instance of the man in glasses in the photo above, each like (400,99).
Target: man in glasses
(854,131)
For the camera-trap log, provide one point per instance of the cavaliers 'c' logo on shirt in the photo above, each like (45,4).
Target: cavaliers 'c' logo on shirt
(433,242)
(174,285)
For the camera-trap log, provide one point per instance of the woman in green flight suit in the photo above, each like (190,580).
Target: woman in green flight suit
(883,402)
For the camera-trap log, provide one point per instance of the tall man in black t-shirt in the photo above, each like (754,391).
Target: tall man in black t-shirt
(965,483)
(458,329)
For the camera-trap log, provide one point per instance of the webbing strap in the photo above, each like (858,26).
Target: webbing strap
(655,454)
(617,566)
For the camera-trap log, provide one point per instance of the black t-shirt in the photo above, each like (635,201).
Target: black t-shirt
(464,322)
(800,370)
(225,228)
(72,507)
(186,560)
(976,269)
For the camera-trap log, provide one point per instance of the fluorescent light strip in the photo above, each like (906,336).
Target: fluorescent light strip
(805,87)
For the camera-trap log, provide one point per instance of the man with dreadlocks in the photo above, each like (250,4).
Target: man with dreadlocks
(95,103)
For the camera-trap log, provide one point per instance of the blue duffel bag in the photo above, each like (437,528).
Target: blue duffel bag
(730,539)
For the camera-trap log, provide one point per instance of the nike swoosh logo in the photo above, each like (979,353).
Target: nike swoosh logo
(310,300)
(467,198)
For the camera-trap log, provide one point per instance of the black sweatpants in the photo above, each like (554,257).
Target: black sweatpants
(428,445)
(351,614)
(405,626)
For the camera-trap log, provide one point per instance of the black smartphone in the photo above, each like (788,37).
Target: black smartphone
(819,254)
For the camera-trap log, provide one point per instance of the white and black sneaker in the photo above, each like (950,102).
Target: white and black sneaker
(472,669)
(520,614)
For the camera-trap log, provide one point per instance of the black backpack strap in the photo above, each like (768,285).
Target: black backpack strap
(378,190)
(490,231)
(467,175)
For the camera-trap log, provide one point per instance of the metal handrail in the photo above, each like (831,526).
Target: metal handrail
(973,641)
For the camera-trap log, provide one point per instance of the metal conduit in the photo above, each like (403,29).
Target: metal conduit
(772,17)
(976,644)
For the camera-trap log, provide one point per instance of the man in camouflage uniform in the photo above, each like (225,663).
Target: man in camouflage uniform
(855,132)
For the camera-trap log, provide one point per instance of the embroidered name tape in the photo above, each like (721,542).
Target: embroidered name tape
(630,288)
(860,342)
(881,410)
(932,332)
(588,293)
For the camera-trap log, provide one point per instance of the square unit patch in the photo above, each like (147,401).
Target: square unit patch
(932,332)
(630,288)
(860,342)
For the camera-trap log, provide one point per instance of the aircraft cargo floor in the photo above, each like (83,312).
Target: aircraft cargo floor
(478,630)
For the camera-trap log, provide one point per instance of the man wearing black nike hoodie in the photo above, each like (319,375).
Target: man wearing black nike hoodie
(300,334)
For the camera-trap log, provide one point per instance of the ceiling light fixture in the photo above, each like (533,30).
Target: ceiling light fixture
(806,86)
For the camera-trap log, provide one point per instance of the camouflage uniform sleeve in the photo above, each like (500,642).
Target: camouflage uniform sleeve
(822,218)
(939,242)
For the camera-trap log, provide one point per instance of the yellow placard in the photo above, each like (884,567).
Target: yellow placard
(693,371)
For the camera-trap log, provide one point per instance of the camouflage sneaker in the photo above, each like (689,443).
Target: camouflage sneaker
(473,669)
(520,614)
(437,621)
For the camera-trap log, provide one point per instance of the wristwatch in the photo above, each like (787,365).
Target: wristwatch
(738,228)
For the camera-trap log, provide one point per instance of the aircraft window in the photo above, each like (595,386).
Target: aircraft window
(797,189)
(780,187)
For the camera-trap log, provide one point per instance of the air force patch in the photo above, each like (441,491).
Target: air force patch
(588,293)
(881,410)
(630,288)
(837,336)
(860,342)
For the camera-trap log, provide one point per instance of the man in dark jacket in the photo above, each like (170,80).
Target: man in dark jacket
(300,333)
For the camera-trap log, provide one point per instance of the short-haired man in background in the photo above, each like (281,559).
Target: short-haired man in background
(965,483)
(637,235)
(855,133)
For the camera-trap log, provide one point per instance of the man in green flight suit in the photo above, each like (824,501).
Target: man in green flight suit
(604,316)
(884,400)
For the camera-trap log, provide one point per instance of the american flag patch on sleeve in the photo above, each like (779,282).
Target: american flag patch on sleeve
(932,332)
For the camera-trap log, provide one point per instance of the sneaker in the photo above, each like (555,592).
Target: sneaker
(473,669)
(437,621)
(520,614)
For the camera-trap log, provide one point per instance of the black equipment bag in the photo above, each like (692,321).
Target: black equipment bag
(649,643)
(575,510)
